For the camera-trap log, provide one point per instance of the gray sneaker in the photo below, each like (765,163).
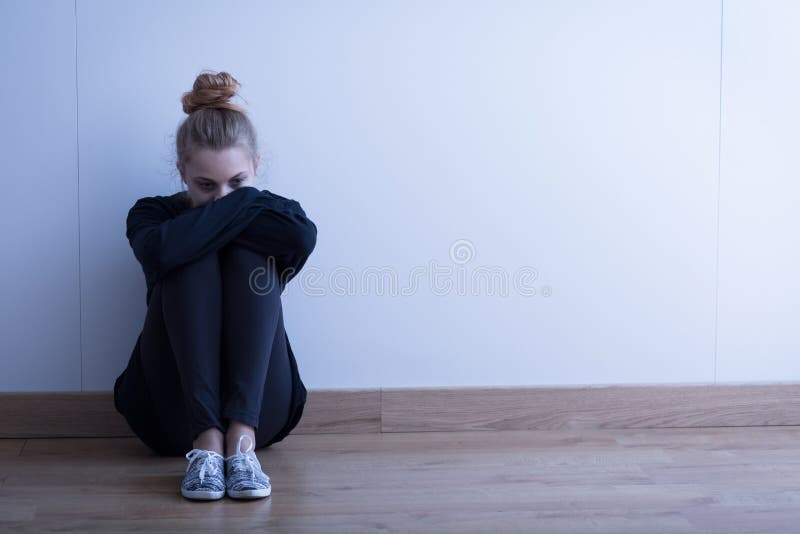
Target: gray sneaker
(205,476)
(244,478)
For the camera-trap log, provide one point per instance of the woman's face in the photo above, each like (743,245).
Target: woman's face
(212,174)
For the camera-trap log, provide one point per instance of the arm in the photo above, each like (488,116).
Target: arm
(284,232)
(161,242)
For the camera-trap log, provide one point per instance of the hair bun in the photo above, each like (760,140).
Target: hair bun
(211,90)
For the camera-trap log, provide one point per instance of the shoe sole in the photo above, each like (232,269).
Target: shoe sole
(250,494)
(202,495)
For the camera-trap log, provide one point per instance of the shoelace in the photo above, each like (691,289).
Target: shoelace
(213,468)
(248,457)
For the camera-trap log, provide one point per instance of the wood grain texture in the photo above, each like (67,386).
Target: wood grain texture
(551,408)
(693,480)
(34,415)
(341,411)
(60,414)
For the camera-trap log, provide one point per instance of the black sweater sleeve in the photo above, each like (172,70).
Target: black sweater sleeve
(284,232)
(162,241)
(260,220)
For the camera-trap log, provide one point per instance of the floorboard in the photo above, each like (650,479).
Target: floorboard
(725,479)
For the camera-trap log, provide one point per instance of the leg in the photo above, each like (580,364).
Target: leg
(276,404)
(159,373)
(180,354)
(256,377)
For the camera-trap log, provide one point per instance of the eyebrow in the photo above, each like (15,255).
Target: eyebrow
(210,180)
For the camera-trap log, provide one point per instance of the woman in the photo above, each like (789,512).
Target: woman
(213,366)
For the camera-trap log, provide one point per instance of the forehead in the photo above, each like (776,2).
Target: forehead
(218,164)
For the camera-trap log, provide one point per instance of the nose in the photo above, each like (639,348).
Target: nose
(222,192)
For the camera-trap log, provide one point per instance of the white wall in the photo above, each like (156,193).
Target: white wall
(579,139)
(759,259)
(40,323)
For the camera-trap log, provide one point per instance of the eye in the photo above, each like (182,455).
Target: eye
(206,186)
(239,181)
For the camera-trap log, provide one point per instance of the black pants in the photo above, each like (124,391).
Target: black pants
(205,353)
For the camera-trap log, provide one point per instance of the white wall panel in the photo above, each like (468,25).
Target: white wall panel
(759,339)
(40,329)
(579,139)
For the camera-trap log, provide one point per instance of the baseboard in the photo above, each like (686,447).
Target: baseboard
(92,414)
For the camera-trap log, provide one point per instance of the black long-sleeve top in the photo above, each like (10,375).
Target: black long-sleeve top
(166,232)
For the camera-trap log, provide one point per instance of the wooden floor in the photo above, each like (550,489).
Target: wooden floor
(727,479)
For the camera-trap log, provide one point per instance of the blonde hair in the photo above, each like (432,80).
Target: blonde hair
(213,122)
